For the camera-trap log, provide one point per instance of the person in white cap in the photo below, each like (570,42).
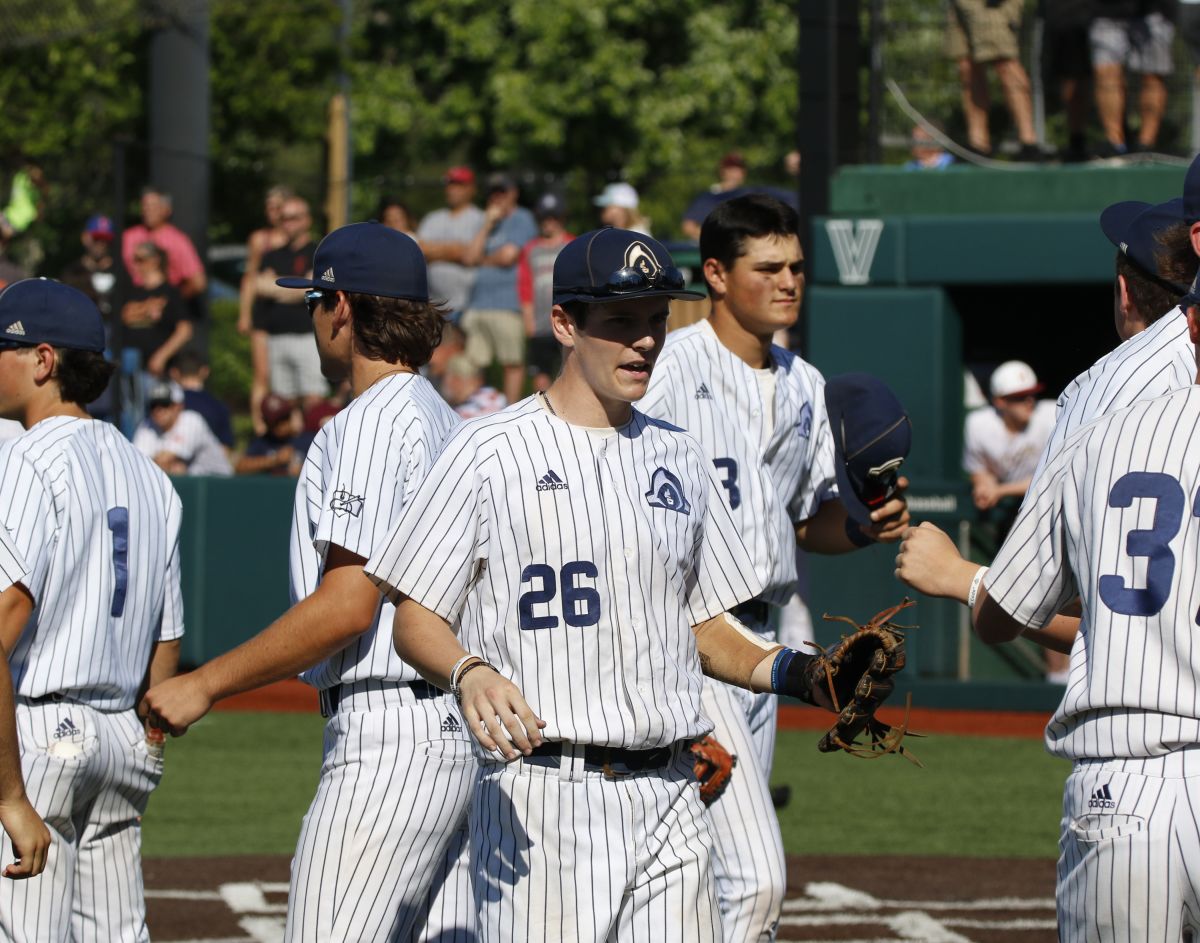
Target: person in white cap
(1002,444)
(619,208)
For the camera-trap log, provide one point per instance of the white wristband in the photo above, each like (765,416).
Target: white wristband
(975,584)
(455,670)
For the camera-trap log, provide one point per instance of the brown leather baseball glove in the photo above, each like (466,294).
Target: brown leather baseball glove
(714,768)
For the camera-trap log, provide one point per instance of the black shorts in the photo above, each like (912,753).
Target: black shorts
(1067,53)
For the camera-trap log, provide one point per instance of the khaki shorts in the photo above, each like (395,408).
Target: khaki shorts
(984,33)
(494,334)
(295,366)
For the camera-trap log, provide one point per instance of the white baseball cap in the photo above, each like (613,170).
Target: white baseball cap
(1013,378)
(618,194)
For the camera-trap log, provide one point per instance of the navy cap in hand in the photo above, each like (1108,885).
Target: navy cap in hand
(42,311)
(607,265)
(368,258)
(1132,226)
(872,436)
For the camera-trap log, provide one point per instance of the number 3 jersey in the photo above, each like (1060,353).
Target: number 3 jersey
(576,561)
(97,524)
(773,455)
(1115,517)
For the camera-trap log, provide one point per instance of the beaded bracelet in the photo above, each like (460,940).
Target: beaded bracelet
(457,690)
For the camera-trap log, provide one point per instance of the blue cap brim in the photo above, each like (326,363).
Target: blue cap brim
(682,294)
(295,281)
(1115,219)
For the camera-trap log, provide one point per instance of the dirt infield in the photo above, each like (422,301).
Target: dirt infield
(848,900)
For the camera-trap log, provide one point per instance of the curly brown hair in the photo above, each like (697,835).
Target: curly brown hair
(396,330)
(82,375)
(1154,295)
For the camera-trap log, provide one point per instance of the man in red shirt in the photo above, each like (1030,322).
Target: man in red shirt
(184,268)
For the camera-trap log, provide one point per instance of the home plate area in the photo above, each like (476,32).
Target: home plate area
(830,899)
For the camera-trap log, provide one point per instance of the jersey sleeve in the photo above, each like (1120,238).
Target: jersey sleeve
(1031,578)
(365,488)
(723,574)
(31,521)
(440,543)
(171,624)
(12,566)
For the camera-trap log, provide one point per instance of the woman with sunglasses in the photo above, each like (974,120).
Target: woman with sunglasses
(155,320)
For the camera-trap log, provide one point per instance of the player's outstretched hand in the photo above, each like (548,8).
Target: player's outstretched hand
(889,522)
(929,561)
(497,714)
(175,704)
(29,836)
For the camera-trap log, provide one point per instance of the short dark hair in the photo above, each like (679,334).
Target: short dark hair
(578,311)
(82,375)
(1152,295)
(396,330)
(189,362)
(726,229)
(386,201)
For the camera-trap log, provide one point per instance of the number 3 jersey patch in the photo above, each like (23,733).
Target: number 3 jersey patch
(583,595)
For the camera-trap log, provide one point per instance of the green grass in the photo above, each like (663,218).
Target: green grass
(984,797)
(239,783)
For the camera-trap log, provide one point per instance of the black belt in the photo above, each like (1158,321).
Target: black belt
(755,611)
(330,697)
(54,697)
(613,761)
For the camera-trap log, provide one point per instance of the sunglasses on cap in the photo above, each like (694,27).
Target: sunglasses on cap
(629,279)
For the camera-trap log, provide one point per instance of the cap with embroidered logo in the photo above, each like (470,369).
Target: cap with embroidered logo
(1133,227)
(607,265)
(42,311)
(368,258)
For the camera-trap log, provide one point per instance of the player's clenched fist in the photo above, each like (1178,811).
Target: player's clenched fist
(929,562)
(176,704)
(497,714)
(29,836)
(889,522)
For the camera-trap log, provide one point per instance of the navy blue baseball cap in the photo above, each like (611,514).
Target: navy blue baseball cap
(1132,226)
(607,265)
(368,258)
(42,311)
(872,436)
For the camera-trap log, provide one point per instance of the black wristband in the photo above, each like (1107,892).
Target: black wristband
(855,535)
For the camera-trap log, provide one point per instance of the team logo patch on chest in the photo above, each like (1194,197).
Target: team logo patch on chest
(804,423)
(343,503)
(666,491)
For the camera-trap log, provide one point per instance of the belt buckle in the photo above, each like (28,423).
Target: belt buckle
(607,768)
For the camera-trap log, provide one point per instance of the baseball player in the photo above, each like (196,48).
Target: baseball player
(97,524)
(585,556)
(390,806)
(759,412)
(1115,518)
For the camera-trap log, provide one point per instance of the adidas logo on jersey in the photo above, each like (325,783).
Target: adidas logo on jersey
(703,392)
(451,724)
(66,728)
(16,329)
(551,482)
(1102,799)
(327,275)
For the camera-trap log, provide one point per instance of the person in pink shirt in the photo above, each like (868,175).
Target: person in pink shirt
(184,268)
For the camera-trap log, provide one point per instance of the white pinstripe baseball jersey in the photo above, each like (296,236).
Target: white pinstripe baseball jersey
(774,459)
(1154,362)
(190,440)
(361,471)
(12,567)
(98,525)
(576,561)
(1116,519)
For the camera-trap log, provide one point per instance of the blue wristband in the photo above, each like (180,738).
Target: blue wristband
(855,534)
(780,666)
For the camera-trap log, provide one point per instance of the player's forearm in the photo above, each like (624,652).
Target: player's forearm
(12,784)
(424,640)
(1058,634)
(732,653)
(1014,489)
(825,531)
(16,605)
(164,661)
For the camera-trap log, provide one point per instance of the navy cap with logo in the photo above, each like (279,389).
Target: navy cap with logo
(872,436)
(1133,227)
(607,265)
(368,258)
(42,311)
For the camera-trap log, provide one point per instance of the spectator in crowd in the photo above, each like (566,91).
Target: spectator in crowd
(177,439)
(189,369)
(185,271)
(463,388)
(983,33)
(446,236)
(154,319)
(1189,29)
(731,182)
(95,272)
(619,208)
(316,416)
(394,214)
(1133,34)
(454,342)
(535,278)
(492,321)
(927,154)
(1068,63)
(25,201)
(261,241)
(279,450)
(293,364)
